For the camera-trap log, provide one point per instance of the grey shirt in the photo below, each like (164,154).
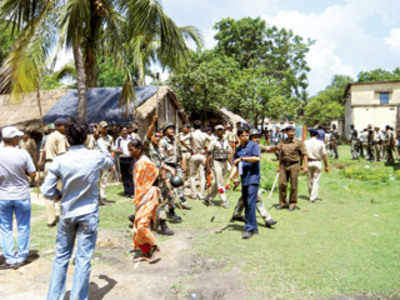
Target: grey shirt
(15,165)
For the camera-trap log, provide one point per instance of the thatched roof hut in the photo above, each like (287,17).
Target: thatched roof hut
(24,112)
(102,104)
(229,116)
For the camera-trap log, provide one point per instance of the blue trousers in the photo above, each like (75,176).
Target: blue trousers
(22,211)
(249,194)
(84,230)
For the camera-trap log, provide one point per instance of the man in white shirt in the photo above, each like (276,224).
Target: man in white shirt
(105,145)
(316,153)
(125,161)
(15,165)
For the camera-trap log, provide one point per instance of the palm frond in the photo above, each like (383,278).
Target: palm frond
(127,98)
(21,71)
(65,71)
(194,34)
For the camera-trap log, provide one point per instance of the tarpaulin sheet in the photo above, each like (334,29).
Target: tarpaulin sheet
(102,104)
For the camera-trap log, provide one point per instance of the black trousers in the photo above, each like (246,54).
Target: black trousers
(126,165)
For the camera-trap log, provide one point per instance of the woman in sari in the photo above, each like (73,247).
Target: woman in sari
(146,198)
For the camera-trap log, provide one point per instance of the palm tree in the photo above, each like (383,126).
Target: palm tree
(88,27)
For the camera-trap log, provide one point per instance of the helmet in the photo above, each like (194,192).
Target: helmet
(253,132)
(168,125)
(176,181)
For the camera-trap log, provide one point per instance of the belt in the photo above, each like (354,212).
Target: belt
(221,160)
(48,160)
(313,159)
(289,163)
(171,164)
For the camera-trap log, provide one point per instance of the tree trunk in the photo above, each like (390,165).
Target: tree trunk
(81,81)
(39,104)
(91,67)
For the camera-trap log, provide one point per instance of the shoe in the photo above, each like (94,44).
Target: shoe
(131,218)
(269,223)
(237,218)
(247,234)
(185,206)
(172,215)
(164,228)
(225,205)
(207,202)
(292,208)
(52,224)
(280,207)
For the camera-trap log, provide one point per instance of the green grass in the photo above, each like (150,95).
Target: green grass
(348,243)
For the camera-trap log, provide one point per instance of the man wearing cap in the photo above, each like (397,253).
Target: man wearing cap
(240,206)
(172,164)
(15,166)
(56,144)
(292,155)
(198,160)
(316,153)
(390,143)
(218,159)
(105,145)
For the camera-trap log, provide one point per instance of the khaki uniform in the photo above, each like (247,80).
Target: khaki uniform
(31,147)
(186,154)
(378,145)
(91,142)
(390,143)
(105,145)
(290,155)
(219,150)
(56,144)
(171,157)
(315,152)
(198,162)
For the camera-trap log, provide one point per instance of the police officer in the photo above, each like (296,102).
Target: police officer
(370,143)
(378,142)
(185,138)
(292,156)
(237,214)
(56,144)
(172,163)
(354,142)
(199,141)
(390,143)
(152,150)
(218,160)
(247,160)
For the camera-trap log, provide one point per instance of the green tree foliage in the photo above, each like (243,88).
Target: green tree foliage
(328,105)
(254,70)
(378,75)
(6,42)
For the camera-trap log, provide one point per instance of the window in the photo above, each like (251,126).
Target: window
(384,98)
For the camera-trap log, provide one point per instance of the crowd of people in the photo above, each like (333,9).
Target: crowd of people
(160,173)
(372,144)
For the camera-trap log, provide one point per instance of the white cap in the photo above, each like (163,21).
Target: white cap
(11,132)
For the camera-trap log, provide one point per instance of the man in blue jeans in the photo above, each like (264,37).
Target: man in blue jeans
(247,159)
(15,165)
(79,170)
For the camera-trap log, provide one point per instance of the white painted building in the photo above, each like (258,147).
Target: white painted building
(374,103)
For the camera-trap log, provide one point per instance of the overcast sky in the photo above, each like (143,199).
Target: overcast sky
(351,35)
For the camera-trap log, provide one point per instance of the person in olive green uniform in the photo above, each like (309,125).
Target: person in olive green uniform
(292,156)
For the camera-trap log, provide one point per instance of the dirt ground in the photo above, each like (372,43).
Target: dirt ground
(179,275)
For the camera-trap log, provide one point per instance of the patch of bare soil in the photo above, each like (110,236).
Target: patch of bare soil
(180,275)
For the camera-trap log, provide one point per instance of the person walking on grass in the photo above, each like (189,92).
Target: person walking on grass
(15,164)
(79,171)
(247,160)
(316,153)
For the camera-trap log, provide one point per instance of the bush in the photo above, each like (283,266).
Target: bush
(367,173)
